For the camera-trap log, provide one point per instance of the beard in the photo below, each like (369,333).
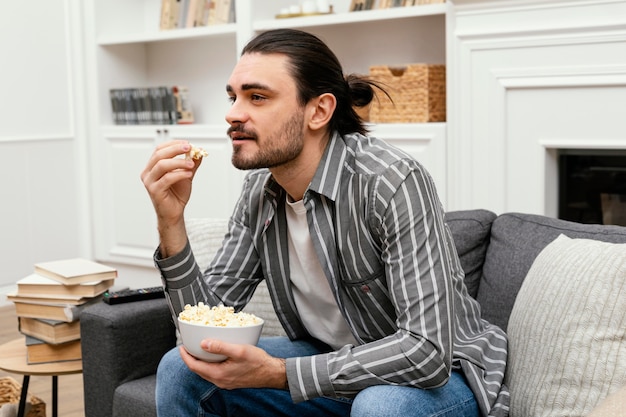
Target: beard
(278,149)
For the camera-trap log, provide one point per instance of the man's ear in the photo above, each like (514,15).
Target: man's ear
(321,110)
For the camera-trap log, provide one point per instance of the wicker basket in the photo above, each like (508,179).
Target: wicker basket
(10,391)
(418,92)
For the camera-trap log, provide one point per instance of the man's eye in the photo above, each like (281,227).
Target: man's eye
(257,97)
(232,99)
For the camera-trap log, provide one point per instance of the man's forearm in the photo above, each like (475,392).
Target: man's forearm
(172,237)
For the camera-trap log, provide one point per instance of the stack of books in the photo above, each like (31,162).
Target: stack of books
(48,303)
(151,105)
(181,14)
(358,5)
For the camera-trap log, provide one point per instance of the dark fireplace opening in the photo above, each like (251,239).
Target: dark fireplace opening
(592,186)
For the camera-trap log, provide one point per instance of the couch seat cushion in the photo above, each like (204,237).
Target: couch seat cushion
(567,331)
(136,398)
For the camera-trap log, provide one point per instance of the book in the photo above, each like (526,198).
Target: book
(38,285)
(75,271)
(224,11)
(194,13)
(184,114)
(169,105)
(202,12)
(61,312)
(151,105)
(183,8)
(169,14)
(38,351)
(156,105)
(46,299)
(50,331)
(208,17)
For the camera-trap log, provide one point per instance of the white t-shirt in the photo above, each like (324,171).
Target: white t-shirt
(313,297)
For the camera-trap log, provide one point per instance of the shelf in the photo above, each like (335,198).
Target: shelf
(382,130)
(364,16)
(168,35)
(192,130)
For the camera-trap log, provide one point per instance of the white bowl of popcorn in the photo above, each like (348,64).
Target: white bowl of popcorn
(196,323)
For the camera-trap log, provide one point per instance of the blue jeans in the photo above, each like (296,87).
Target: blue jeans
(181,392)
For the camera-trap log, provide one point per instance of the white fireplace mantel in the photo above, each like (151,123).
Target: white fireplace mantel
(528,78)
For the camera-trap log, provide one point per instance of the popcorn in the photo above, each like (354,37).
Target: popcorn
(196,153)
(219,316)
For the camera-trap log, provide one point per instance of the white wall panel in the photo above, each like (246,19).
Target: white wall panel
(424,142)
(131,208)
(525,73)
(125,223)
(39,210)
(35,70)
(42,214)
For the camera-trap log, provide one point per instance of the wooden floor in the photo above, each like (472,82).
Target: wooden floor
(70,400)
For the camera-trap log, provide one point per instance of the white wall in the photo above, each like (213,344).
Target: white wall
(45,205)
(41,215)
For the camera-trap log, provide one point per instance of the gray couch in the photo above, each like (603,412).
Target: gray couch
(122,344)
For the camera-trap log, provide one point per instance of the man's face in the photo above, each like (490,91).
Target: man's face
(266,121)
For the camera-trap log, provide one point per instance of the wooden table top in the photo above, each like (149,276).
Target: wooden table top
(13,359)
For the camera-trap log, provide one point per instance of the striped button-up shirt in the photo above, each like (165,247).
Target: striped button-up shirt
(378,228)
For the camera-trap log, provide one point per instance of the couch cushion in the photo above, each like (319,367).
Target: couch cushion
(136,398)
(516,240)
(205,237)
(567,331)
(470,230)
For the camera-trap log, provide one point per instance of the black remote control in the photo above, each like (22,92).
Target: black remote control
(129,295)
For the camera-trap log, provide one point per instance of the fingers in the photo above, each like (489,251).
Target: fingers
(246,366)
(230,350)
(165,169)
(218,347)
(219,373)
(163,159)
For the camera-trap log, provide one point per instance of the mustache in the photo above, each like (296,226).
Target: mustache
(240,129)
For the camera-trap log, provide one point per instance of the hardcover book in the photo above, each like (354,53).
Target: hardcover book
(37,285)
(61,312)
(75,271)
(50,331)
(38,351)
(46,299)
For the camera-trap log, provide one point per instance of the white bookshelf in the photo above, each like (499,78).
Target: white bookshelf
(125,48)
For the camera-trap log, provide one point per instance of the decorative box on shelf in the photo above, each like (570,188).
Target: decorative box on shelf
(10,391)
(417,91)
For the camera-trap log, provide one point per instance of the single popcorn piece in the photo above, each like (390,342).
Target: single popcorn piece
(196,153)
(220,316)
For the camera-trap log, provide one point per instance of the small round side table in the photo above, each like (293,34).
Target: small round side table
(13,359)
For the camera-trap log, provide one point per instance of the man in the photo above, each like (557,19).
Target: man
(349,234)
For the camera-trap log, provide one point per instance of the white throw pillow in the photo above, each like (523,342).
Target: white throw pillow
(567,330)
(612,406)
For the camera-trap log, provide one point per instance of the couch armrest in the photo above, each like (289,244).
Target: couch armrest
(121,343)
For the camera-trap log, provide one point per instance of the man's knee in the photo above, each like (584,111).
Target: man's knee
(170,364)
(453,399)
(382,400)
(173,375)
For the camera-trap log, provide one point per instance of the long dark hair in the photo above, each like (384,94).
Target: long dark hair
(316,70)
